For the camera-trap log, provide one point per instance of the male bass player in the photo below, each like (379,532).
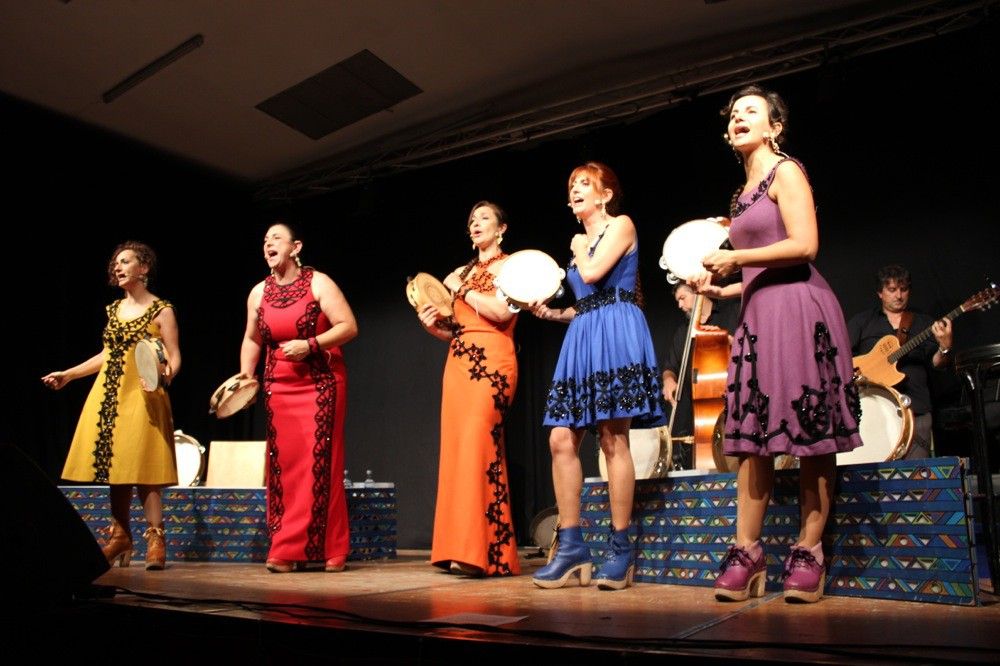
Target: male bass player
(891,317)
(713,314)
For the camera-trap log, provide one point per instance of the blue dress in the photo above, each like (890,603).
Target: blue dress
(607,367)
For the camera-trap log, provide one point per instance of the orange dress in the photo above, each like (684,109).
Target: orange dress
(472,521)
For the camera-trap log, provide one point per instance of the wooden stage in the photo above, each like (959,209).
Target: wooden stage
(405,611)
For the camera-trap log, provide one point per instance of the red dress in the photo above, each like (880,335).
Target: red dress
(305,404)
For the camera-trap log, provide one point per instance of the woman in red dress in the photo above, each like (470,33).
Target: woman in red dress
(301,318)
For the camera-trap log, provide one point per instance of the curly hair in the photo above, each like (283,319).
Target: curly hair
(143,254)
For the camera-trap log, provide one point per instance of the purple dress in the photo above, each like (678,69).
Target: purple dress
(790,388)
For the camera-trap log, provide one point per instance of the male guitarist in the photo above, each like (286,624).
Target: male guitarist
(892,318)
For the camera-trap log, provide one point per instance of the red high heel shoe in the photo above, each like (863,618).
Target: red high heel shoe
(335,564)
(118,546)
(274,565)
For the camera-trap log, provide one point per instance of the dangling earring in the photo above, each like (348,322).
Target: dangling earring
(604,213)
(144,279)
(474,247)
(298,261)
(499,238)
(772,143)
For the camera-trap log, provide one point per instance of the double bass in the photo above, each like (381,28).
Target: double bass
(707,348)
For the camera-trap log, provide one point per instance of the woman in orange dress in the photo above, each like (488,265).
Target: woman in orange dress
(473,528)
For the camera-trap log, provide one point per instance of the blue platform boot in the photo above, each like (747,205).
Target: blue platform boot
(572,556)
(619,563)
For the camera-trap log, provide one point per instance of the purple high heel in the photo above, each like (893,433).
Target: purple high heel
(743,575)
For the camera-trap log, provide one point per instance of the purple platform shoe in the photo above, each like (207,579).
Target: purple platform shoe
(744,572)
(805,574)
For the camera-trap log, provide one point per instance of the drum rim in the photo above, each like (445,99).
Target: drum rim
(415,291)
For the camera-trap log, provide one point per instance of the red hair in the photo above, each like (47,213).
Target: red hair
(605,178)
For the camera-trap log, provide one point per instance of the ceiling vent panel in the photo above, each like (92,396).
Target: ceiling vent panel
(341,95)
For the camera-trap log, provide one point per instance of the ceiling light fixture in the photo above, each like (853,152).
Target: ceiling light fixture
(152,68)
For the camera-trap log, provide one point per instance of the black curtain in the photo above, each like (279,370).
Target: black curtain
(900,147)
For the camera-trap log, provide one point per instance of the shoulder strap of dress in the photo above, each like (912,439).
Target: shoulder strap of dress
(158,306)
(774,169)
(112,309)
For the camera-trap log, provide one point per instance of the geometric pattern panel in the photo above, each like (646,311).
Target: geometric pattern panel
(898,530)
(230,524)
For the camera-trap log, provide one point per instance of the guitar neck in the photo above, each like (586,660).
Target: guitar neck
(918,339)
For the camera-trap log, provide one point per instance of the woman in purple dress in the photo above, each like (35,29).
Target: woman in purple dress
(790,388)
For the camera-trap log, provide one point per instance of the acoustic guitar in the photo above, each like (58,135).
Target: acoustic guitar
(879,365)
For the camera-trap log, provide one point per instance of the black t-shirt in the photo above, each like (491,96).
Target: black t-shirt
(868,327)
(723,315)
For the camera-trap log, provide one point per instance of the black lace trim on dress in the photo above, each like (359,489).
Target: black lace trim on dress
(499,508)
(326,400)
(275,489)
(282,295)
(818,410)
(119,338)
(627,389)
(604,297)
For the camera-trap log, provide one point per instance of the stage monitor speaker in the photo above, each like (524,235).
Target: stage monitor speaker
(236,464)
(48,553)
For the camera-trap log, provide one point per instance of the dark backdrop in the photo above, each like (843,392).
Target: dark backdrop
(901,148)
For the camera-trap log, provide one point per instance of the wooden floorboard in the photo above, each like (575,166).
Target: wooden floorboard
(405,611)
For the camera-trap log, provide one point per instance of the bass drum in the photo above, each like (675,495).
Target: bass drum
(886,426)
(190,455)
(651,450)
(725,463)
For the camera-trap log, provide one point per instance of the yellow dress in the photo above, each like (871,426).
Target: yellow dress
(125,434)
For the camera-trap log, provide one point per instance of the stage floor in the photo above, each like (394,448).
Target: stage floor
(405,611)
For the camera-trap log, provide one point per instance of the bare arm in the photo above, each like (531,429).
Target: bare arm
(343,326)
(791,191)
(59,378)
(250,348)
(167,322)
(564,315)
(618,240)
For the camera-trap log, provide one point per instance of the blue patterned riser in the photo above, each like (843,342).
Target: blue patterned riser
(229,525)
(899,530)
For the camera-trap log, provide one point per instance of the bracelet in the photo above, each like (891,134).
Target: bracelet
(944,351)
(314,347)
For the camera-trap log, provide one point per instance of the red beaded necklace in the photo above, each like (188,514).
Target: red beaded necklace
(483,265)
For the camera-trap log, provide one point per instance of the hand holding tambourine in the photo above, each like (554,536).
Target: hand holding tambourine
(424,289)
(236,393)
(527,278)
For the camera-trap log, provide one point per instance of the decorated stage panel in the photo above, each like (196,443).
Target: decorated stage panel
(899,530)
(229,524)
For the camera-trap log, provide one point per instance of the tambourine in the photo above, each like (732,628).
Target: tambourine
(190,455)
(424,288)
(151,362)
(236,393)
(529,276)
(688,245)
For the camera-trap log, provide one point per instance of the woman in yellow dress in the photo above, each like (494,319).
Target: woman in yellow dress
(125,434)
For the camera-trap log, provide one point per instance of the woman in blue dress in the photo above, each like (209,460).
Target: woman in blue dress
(606,379)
